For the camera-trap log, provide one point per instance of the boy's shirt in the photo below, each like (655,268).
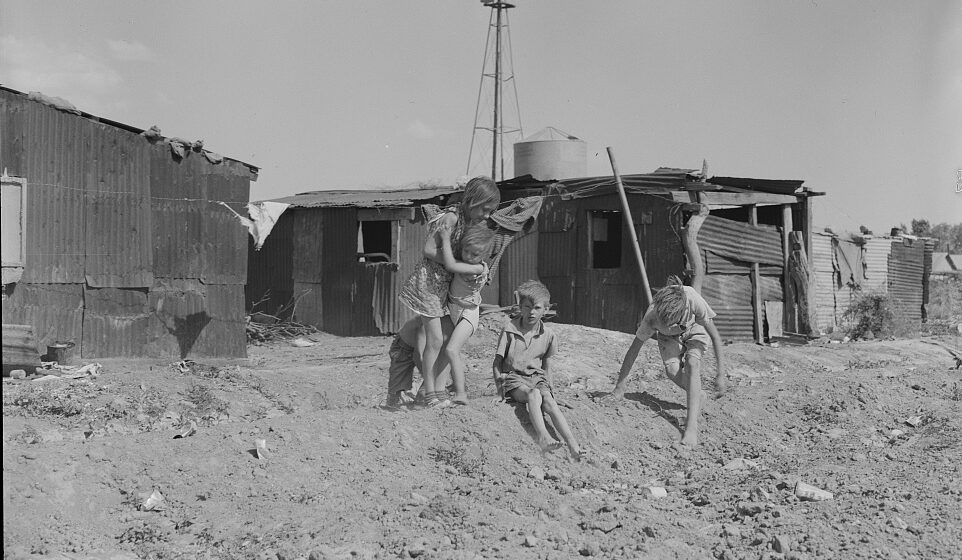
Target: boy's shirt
(697,310)
(522,355)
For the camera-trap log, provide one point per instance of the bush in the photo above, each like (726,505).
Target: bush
(877,315)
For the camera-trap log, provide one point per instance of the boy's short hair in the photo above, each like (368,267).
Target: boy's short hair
(478,237)
(533,291)
(670,302)
(480,190)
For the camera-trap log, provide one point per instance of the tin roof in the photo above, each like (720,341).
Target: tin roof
(366,198)
(253,169)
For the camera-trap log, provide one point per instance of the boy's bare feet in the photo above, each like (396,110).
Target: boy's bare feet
(690,438)
(549,445)
(460,398)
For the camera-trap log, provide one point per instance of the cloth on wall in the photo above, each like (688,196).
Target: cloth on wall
(849,261)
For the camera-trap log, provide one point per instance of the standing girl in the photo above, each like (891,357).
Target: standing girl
(426,290)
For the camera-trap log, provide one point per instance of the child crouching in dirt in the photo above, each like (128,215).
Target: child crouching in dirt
(521,366)
(682,321)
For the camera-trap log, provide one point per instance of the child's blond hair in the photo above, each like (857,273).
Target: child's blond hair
(670,302)
(479,191)
(478,237)
(533,291)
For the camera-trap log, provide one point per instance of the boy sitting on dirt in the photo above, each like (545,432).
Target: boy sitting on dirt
(521,366)
(682,322)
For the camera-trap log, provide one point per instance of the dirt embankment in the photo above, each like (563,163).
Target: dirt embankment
(877,424)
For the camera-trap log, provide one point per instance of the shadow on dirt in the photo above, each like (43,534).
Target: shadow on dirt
(656,405)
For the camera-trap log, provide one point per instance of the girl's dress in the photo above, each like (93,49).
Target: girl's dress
(426,290)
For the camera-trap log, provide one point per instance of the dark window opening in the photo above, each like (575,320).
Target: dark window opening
(374,241)
(604,227)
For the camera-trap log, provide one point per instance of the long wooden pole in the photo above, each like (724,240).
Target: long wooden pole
(631,225)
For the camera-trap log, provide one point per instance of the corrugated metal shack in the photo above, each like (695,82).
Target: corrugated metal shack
(849,265)
(584,253)
(126,249)
(336,259)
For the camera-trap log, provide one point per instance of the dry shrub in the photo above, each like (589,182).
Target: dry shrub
(874,315)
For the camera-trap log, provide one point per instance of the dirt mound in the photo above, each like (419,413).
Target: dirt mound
(876,424)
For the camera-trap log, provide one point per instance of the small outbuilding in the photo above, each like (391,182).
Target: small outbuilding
(116,239)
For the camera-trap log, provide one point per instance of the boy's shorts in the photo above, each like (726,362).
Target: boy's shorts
(472,315)
(401,370)
(692,342)
(515,380)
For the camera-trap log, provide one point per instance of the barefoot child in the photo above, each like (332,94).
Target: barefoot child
(682,321)
(426,290)
(464,296)
(521,366)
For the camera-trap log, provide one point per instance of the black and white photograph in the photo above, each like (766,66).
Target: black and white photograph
(470,280)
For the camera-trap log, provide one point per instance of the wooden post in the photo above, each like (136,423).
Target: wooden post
(789,292)
(689,240)
(631,225)
(757,305)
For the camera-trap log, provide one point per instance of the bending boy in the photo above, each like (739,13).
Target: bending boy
(682,322)
(521,366)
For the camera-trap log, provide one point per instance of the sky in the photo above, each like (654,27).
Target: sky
(860,99)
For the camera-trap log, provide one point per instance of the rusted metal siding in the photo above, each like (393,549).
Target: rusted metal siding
(178,209)
(518,263)
(115,322)
(55,196)
(191,319)
(339,285)
(876,258)
(741,241)
(309,304)
(12,125)
(927,271)
(270,276)
(117,209)
(54,310)
(309,243)
(905,269)
(730,297)
(224,237)
(825,291)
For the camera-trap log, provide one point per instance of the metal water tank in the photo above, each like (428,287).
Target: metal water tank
(551,154)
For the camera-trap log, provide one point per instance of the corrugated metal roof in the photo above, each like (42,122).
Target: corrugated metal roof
(777,186)
(118,125)
(367,198)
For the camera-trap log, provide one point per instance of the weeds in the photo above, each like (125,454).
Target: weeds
(45,400)
(455,454)
(875,315)
(206,405)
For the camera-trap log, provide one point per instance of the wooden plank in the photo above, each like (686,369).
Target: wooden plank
(745,199)
(773,313)
(385,214)
(756,284)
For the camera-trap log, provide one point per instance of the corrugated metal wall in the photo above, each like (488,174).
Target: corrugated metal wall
(729,247)
(606,298)
(822,258)
(905,270)
(111,220)
(518,263)
(876,258)
(270,274)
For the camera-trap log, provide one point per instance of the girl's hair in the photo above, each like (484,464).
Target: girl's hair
(669,302)
(533,291)
(478,237)
(480,190)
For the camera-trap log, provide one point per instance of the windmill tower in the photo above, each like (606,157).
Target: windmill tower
(495,121)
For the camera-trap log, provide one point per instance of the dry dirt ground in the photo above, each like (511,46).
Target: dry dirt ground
(877,424)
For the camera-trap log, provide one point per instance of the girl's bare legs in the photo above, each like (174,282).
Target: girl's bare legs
(462,331)
(433,339)
(560,423)
(532,398)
